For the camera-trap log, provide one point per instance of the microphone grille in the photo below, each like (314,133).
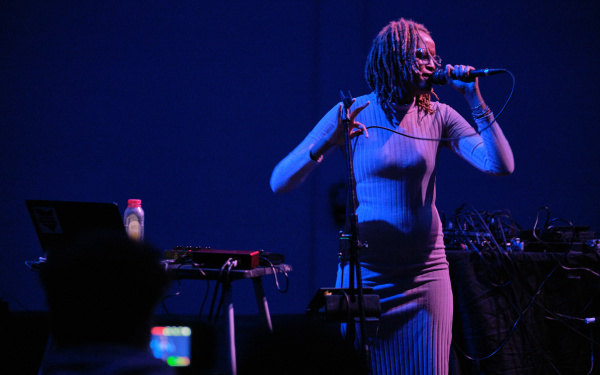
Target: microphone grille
(439,77)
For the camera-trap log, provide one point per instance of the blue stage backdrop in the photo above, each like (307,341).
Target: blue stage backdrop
(189,105)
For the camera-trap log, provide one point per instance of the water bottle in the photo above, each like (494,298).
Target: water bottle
(133,218)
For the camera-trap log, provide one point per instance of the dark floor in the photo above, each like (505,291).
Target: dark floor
(300,345)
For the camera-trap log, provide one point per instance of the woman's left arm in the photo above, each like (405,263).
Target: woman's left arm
(489,151)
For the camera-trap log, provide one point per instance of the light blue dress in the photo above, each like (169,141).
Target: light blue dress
(405,261)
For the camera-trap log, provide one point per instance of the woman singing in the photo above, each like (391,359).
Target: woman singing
(405,261)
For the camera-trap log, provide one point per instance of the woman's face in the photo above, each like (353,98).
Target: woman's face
(427,62)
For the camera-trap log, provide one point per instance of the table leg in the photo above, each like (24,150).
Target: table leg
(261,300)
(228,307)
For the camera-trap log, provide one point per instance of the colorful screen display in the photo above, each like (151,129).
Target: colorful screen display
(172,344)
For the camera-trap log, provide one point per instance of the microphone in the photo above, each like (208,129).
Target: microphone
(439,76)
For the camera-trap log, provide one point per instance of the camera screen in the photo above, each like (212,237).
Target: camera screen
(172,344)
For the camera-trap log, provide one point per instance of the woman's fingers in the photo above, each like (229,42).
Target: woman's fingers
(357,110)
(357,128)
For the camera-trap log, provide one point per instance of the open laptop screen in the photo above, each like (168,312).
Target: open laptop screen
(57,222)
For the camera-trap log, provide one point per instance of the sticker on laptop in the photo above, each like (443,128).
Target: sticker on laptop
(47,220)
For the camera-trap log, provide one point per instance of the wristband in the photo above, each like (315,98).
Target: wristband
(312,157)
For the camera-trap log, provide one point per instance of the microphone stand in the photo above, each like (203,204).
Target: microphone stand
(355,245)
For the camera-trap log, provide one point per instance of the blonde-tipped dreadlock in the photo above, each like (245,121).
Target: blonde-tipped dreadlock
(391,61)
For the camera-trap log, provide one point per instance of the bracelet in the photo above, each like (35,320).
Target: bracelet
(312,157)
(485,113)
(476,108)
(479,111)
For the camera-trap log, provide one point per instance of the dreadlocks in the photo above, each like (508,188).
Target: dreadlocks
(391,61)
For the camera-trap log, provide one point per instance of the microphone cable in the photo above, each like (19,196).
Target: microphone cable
(478,132)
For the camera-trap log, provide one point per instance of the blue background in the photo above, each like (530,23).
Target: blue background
(189,105)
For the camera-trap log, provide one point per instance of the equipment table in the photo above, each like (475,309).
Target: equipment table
(188,271)
(525,311)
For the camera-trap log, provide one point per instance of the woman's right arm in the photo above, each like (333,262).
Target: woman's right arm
(298,164)
(328,133)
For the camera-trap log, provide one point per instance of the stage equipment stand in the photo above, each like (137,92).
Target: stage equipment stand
(354,242)
(344,305)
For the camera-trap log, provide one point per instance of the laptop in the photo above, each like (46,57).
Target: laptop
(57,222)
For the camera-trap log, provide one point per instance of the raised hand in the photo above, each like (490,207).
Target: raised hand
(356,128)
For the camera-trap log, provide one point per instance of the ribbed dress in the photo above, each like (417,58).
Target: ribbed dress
(405,260)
